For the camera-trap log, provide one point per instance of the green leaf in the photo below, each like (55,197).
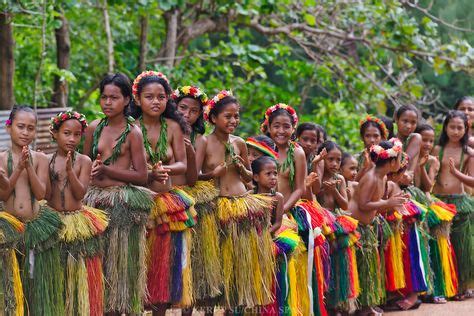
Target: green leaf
(310,19)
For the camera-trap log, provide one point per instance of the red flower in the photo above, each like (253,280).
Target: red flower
(192,91)
(384,155)
(64,116)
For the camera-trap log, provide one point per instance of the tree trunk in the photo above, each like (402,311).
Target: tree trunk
(171,37)
(110,40)
(7,62)
(143,44)
(63,46)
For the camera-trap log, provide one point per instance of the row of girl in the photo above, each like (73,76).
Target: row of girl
(155,215)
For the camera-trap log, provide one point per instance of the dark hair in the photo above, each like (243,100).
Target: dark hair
(345,157)
(462,100)
(199,126)
(277,113)
(266,140)
(123,82)
(257,166)
(385,144)
(219,106)
(20,108)
(424,127)
(306,127)
(388,124)
(406,108)
(443,138)
(170,110)
(368,124)
(329,145)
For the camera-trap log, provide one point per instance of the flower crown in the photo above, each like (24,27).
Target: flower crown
(190,91)
(387,153)
(274,108)
(377,121)
(57,120)
(262,147)
(144,74)
(212,102)
(8,122)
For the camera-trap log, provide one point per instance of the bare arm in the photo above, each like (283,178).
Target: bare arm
(191,171)
(278,213)
(88,138)
(300,173)
(428,177)
(79,184)
(179,151)
(340,195)
(39,176)
(466,178)
(366,190)
(244,166)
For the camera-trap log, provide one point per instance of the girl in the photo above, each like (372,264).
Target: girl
(333,193)
(168,234)
(372,132)
(310,136)
(456,169)
(82,226)
(259,146)
(428,165)
(466,105)
(28,180)
(369,200)
(115,145)
(349,172)
(247,273)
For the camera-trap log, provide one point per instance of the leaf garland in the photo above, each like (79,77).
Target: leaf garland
(120,140)
(161,145)
(289,163)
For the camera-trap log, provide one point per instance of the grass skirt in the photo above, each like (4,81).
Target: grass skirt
(124,263)
(462,237)
(11,289)
(81,255)
(393,253)
(208,281)
(246,249)
(43,274)
(169,242)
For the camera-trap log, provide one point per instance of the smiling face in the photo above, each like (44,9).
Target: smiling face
(23,128)
(69,135)
(407,122)
(332,161)
(152,99)
(112,101)
(190,108)
(427,141)
(227,119)
(455,129)
(281,129)
(308,141)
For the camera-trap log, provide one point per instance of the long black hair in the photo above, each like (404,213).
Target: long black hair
(443,138)
(199,126)
(461,100)
(170,110)
(123,83)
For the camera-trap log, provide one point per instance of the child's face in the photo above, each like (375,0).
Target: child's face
(228,119)
(332,161)
(281,130)
(69,135)
(253,154)
(467,107)
(309,141)
(407,122)
(112,101)
(455,129)
(268,176)
(190,108)
(371,136)
(349,170)
(23,128)
(153,99)
(427,140)
(395,164)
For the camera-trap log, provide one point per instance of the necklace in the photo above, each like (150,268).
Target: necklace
(159,152)
(55,177)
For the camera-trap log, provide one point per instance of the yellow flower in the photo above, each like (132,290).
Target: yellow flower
(186,89)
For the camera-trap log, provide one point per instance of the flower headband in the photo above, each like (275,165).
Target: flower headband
(190,91)
(8,122)
(377,121)
(388,153)
(262,147)
(212,102)
(57,120)
(144,74)
(274,108)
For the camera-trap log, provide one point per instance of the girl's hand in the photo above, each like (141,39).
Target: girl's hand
(452,167)
(310,179)
(423,160)
(331,185)
(187,144)
(368,163)
(239,164)
(98,167)
(160,173)
(220,170)
(320,157)
(69,161)
(397,200)
(24,159)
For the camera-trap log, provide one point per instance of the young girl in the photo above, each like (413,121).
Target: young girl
(247,273)
(349,172)
(28,180)
(369,200)
(372,132)
(310,136)
(428,165)
(259,146)
(466,105)
(115,144)
(456,169)
(82,226)
(333,193)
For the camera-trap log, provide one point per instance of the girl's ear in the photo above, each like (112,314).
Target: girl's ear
(255,177)
(212,119)
(54,135)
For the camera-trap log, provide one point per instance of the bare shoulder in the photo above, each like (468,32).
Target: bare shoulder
(83,159)
(415,138)
(436,150)
(39,156)
(433,161)
(299,152)
(237,140)
(470,152)
(470,141)
(92,125)
(173,124)
(201,140)
(279,197)
(135,132)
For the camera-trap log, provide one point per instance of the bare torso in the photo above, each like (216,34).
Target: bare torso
(369,180)
(446,182)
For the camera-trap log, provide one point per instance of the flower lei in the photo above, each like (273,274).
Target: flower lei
(388,153)
(377,121)
(161,144)
(212,102)
(144,74)
(262,147)
(57,120)
(190,91)
(264,126)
